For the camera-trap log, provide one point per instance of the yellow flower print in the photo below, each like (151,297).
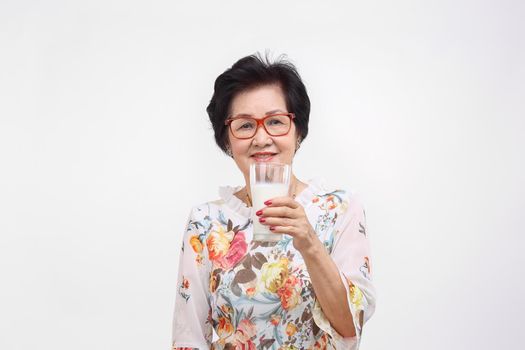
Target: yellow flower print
(356,296)
(218,243)
(196,244)
(291,329)
(273,275)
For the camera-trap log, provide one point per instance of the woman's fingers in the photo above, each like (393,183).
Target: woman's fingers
(281,207)
(288,230)
(276,221)
(282,202)
(280,212)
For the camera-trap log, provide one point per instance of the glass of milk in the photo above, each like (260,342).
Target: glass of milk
(267,181)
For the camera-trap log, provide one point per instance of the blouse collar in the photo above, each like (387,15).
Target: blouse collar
(315,187)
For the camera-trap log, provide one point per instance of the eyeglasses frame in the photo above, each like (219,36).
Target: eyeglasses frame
(260,122)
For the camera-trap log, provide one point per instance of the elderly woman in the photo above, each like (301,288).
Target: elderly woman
(310,290)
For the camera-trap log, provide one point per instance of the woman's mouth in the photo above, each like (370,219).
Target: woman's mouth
(263,157)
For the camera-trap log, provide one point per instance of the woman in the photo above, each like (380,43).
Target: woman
(312,289)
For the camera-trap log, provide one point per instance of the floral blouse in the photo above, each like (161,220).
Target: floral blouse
(235,293)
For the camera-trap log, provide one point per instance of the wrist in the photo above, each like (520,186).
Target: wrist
(314,250)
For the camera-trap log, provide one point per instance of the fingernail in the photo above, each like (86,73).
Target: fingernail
(268,202)
(272,228)
(262,219)
(258,213)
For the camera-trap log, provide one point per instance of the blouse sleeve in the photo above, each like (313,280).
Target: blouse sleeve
(351,254)
(192,317)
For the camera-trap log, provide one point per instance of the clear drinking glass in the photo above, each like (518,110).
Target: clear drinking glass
(267,181)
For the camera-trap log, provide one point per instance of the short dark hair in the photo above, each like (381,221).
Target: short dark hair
(254,71)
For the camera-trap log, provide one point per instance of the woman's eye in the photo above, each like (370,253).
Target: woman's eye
(246,126)
(275,122)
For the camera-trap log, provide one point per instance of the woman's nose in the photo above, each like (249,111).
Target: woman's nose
(261,136)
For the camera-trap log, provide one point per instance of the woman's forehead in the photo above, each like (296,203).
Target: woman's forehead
(260,101)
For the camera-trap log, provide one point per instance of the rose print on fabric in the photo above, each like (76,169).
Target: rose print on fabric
(183,289)
(226,246)
(236,332)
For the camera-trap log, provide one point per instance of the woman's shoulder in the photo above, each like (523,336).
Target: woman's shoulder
(204,209)
(225,202)
(328,198)
(319,188)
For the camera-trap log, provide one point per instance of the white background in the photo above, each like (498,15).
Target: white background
(105,145)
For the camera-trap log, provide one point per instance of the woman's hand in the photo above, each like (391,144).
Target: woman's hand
(285,215)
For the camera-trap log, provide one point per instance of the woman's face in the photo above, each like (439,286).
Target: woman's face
(258,102)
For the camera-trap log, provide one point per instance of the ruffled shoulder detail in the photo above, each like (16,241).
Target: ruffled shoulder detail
(226,193)
(316,186)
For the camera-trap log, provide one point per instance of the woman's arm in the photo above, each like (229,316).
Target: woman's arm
(191,324)
(342,289)
(328,287)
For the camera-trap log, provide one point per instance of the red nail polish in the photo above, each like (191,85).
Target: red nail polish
(258,213)
(268,202)
(262,219)
(272,228)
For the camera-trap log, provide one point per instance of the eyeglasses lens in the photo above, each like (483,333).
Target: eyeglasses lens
(275,125)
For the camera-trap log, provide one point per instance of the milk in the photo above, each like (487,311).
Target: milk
(262,192)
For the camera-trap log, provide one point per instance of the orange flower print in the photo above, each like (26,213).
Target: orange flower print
(183,289)
(250,292)
(290,293)
(196,244)
(291,329)
(321,343)
(275,319)
(225,328)
(217,244)
(315,200)
(334,201)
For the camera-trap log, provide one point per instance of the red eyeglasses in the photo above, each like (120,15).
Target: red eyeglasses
(278,124)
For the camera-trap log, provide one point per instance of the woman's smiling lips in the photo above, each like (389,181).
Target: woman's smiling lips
(263,156)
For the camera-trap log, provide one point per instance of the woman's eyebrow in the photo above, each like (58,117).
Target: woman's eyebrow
(275,111)
(267,113)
